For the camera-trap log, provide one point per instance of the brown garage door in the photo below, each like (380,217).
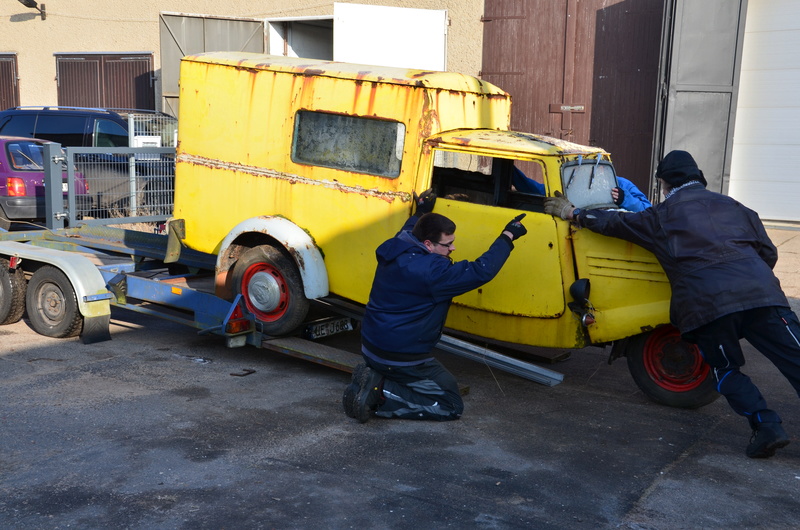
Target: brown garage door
(585,71)
(106,80)
(9,88)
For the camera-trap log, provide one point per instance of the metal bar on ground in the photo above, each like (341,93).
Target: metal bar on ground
(468,350)
(315,352)
(501,362)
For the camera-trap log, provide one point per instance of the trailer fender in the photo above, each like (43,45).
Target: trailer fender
(89,285)
(295,240)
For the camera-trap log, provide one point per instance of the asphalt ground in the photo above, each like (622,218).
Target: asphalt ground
(153,430)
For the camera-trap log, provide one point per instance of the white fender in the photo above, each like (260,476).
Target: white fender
(294,239)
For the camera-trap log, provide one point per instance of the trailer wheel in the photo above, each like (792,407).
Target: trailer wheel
(272,289)
(669,370)
(52,305)
(12,293)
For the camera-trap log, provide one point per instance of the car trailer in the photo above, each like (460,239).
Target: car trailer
(67,279)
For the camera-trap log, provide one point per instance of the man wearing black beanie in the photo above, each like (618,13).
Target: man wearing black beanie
(719,261)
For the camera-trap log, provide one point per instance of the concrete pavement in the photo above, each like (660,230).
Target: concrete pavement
(154,430)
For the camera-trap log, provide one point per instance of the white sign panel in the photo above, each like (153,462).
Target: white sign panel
(390,36)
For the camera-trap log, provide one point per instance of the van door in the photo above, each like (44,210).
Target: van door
(477,192)
(629,292)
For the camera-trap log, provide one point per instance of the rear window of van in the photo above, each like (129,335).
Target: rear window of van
(349,143)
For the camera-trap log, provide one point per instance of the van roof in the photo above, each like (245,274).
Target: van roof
(505,141)
(376,74)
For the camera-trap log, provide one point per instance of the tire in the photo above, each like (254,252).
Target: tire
(5,222)
(669,370)
(52,305)
(272,289)
(12,294)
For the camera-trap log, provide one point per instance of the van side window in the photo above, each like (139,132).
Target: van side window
(488,180)
(18,125)
(66,130)
(109,134)
(349,143)
(26,156)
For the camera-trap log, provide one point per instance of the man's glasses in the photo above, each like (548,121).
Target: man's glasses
(446,245)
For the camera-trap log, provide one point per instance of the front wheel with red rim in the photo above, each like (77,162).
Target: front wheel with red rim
(669,370)
(272,289)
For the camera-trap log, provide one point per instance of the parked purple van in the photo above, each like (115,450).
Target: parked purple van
(22,195)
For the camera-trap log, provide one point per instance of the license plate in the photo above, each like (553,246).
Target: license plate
(327,327)
(64,187)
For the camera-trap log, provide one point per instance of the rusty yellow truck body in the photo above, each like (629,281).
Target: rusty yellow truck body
(293,171)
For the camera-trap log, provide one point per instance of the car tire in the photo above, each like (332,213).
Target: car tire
(12,293)
(52,305)
(669,370)
(5,222)
(272,289)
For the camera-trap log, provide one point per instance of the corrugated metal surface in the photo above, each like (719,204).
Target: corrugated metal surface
(700,72)
(9,88)
(106,80)
(128,82)
(184,34)
(585,71)
(79,81)
(766,150)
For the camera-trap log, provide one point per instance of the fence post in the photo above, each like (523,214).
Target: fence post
(53,193)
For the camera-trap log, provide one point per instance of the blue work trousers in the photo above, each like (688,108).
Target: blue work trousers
(424,391)
(774,331)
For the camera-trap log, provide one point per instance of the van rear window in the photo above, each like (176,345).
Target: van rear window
(349,143)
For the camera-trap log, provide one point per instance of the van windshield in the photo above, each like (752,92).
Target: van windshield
(588,183)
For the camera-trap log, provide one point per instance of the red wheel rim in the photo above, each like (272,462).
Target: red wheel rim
(279,290)
(673,364)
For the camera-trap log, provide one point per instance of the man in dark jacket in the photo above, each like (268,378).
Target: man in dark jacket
(414,284)
(719,261)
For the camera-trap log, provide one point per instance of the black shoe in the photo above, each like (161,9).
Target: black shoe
(369,394)
(766,439)
(351,392)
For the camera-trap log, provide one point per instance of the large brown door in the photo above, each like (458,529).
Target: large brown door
(9,88)
(581,70)
(122,81)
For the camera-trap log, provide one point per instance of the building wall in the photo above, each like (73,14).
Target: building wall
(133,26)
(766,144)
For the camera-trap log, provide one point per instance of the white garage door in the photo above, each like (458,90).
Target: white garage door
(765,169)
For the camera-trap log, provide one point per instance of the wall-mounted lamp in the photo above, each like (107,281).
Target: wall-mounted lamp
(33,5)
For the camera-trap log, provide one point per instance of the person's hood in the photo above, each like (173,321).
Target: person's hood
(391,249)
(678,168)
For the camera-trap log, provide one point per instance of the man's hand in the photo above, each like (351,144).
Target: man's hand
(424,202)
(618,196)
(514,229)
(558,206)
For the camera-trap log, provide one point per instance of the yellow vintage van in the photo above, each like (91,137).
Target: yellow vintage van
(293,171)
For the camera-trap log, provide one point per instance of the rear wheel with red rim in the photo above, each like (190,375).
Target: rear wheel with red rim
(670,370)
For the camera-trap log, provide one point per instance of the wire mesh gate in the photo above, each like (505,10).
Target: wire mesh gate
(108,185)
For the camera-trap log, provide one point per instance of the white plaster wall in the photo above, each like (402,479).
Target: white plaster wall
(132,26)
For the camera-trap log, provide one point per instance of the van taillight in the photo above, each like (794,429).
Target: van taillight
(16,187)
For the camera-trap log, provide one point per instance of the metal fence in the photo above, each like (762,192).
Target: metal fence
(108,185)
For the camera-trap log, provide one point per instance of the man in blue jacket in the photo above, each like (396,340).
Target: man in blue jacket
(628,197)
(414,284)
(719,260)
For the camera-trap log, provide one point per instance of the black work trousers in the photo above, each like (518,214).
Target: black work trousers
(424,391)
(774,331)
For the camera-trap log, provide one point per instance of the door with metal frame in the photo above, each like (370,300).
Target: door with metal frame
(581,70)
(109,80)
(699,71)
(9,87)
